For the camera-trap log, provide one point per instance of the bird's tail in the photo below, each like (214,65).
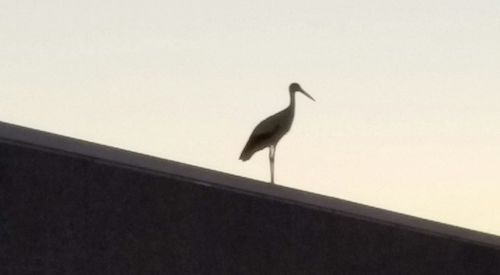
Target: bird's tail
(245,155)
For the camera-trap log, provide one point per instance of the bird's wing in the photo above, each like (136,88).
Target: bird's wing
(262,133)
(256,142)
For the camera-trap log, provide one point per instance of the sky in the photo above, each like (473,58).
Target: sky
(407,93)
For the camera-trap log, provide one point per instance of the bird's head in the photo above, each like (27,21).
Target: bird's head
(295,87)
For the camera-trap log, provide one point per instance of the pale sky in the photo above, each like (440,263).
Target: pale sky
(407,93)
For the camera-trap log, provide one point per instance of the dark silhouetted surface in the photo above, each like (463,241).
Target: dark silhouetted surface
(66,212)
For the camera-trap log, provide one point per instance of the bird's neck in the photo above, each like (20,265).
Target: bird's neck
(291,108)
(292,101)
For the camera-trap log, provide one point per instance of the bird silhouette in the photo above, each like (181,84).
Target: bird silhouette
(269,132)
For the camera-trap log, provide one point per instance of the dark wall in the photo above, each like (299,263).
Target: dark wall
(62,213)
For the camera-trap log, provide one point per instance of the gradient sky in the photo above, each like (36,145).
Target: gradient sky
(408,92)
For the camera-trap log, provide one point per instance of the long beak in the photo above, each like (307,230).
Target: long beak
(308,95)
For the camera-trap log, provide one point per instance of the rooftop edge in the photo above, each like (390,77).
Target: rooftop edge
(14,134)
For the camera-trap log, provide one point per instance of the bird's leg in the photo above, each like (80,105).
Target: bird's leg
(272,149)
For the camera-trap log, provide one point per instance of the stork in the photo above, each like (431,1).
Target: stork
(269,132)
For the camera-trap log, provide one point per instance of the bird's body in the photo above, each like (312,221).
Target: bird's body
(269,132)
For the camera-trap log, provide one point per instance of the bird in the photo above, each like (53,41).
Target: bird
(270,131)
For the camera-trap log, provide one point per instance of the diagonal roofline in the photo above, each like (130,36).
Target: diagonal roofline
(23,136)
